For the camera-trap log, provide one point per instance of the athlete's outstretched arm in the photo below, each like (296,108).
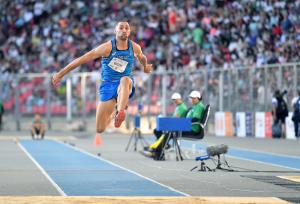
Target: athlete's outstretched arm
(142,58)
(99,51)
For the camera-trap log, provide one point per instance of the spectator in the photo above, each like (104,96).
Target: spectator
(279,111)
(296,115)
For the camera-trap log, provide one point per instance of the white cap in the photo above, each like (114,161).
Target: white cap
(176,96)
(195,94)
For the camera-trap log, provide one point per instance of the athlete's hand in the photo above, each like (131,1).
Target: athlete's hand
(56,80)
(148,68)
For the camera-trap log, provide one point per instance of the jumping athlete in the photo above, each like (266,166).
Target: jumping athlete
(116,74)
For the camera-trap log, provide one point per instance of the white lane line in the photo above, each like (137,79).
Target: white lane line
(264,152)
(121,167)
(61,192)
(257,151)
(265,163)
(188,143)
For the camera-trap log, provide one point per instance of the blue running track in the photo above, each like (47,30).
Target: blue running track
(79,174)
(268,158)
(292,162)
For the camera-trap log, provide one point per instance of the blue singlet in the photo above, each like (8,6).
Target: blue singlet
(117,65)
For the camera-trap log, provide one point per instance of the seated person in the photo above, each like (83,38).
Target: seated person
(196,113)
(179,112)
(38,128)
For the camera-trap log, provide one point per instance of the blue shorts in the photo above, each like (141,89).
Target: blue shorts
(109,90)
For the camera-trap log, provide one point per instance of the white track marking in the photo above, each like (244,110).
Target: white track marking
(42,170)
(258,152)
(133,172)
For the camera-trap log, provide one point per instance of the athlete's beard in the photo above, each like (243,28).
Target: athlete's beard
(123,37)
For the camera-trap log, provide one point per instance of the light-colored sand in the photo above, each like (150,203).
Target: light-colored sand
(135,200)
(291,178)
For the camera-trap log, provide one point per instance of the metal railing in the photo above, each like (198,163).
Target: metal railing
(246,89)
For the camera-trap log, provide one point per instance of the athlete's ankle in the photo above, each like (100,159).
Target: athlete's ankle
(120,111)
(119,118)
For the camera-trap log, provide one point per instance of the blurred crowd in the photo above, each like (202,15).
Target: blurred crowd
(43,36)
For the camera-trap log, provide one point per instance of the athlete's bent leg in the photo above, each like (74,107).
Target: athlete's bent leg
(103,115)
(124,90)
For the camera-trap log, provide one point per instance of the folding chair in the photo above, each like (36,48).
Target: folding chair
(177,134)
(202,124)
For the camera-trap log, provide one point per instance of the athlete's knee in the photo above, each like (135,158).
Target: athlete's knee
(125,80)
(100,129)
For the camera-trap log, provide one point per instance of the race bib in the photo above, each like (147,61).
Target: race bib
(118,64)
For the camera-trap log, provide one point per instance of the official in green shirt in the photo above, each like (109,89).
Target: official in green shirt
(179,112)
(196,112)
(181,109)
